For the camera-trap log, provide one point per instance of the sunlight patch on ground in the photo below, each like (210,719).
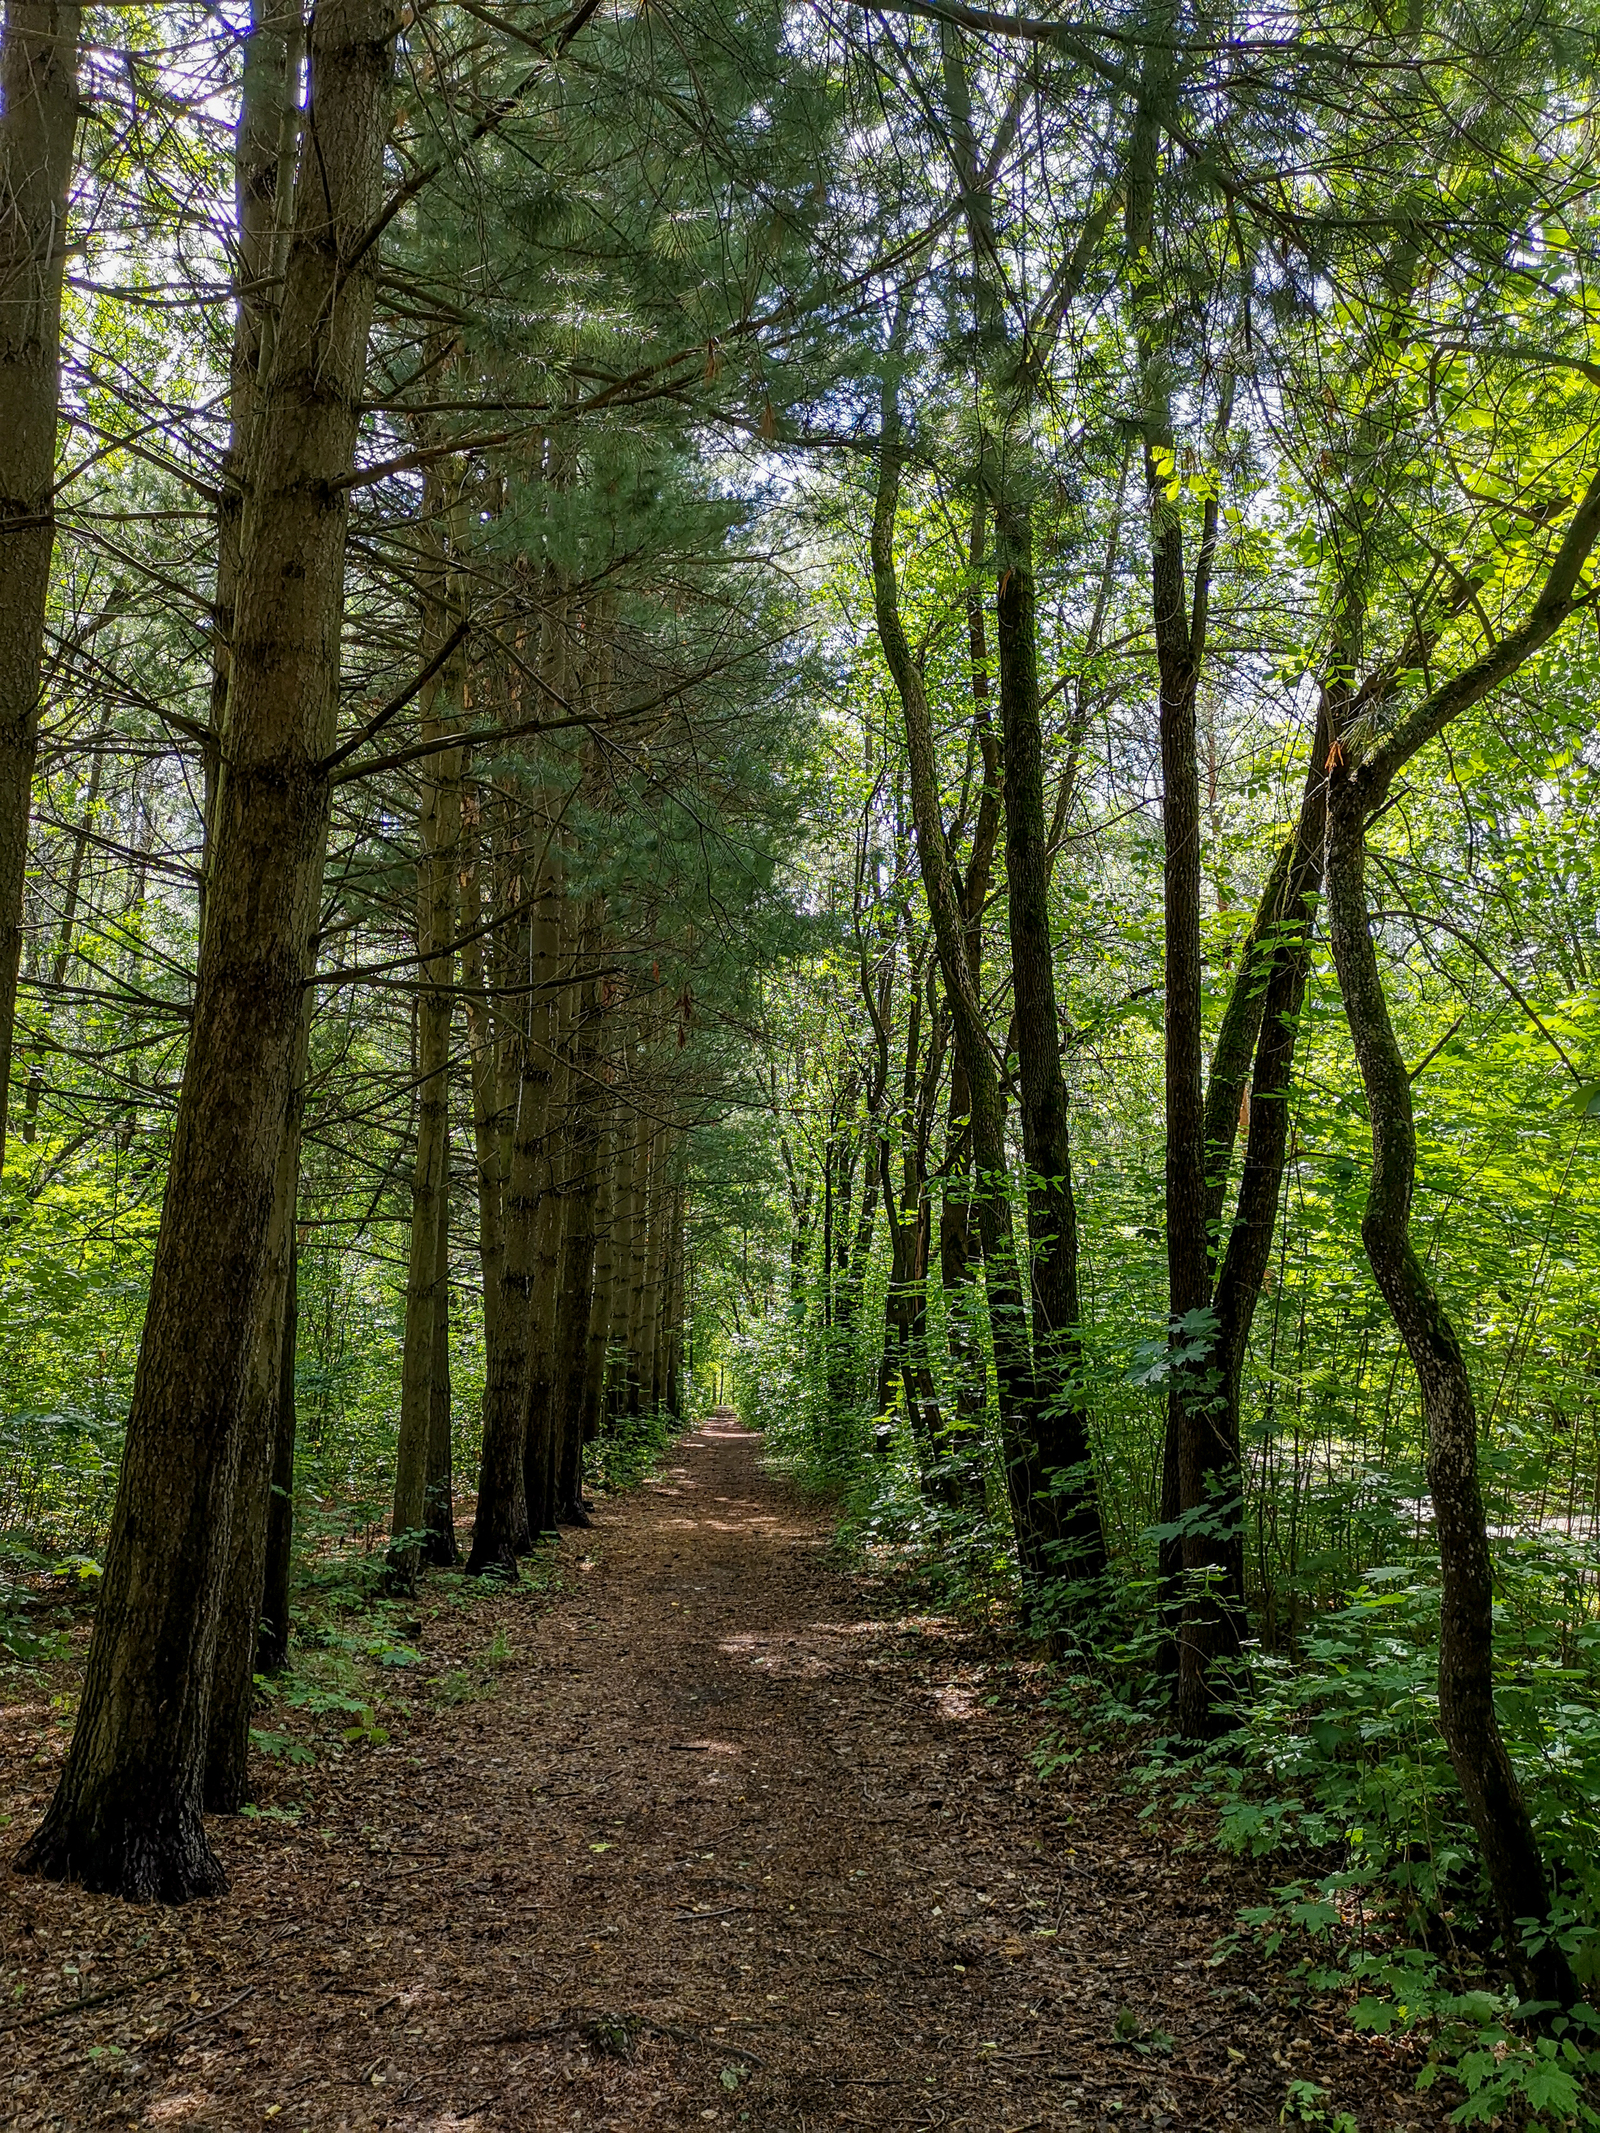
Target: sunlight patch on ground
(172,2110)
(955,1702)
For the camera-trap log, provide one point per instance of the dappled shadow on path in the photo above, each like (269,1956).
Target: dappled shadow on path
(723,1845)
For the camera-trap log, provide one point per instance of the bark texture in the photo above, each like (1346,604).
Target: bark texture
(992,1206)
(126,1815)
(38,128)
(1070,1511)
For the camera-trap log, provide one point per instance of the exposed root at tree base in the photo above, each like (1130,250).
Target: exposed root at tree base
(730,1841)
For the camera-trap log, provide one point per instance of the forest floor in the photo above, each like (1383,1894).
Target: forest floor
(713,1832)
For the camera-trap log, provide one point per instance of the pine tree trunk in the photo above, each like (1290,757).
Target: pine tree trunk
(126,1816)
(438,1500)
(594,1390)
(38,129)
(570,1345)
(272,1651)
(484,1068)
(500,1528)
(643,1165)
(62,961)
(239,1616)
(1071,1514)
(539,1422)
(440,839)
(263,180)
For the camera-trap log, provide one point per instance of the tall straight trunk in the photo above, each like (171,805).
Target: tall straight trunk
(570,1343)
(644,1141)
(540,1432)
(677,1286)
(62,960)
(624,1224)
(1467,1718)
(500,1529)
(438,1496)
(655,1269)
(506,1521)
(1202,1506)
(600,1294)
(272,1649)
(1077,1541)
(239,1614)
(263,190)
(1007,1314)
(439,824)
(38,128)
(958,1243)
(483,1066)
(126,1815)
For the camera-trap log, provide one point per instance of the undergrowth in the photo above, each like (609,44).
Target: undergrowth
(1335,1779)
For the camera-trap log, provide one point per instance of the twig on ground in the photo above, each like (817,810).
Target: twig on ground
(94,1999)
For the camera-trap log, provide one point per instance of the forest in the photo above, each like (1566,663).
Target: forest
(839,758)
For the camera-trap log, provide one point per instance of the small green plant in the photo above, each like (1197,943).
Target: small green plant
(1307,2105)
(366,1732)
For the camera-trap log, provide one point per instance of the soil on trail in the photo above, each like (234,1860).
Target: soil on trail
(732,1840)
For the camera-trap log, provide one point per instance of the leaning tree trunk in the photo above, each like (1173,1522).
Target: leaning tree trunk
(38,127)
(1007,1313)
(1466,1610)
(126,1816)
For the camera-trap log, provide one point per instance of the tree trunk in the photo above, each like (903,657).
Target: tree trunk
(599,1347)
(272,1651)
(69,913)
(643,1142)
(126,1816)
(38,128)
(263,181)
(570,1346)
(440,837)
(239,1616)
(1466,1612)
(540,1434)
(438,1499)
(1007,1315)
(483,1065)
(1071,1514)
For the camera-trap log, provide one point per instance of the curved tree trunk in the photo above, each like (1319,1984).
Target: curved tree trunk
(1466,1610)
(126,1816)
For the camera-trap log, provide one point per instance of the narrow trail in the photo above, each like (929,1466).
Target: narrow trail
(728,1841)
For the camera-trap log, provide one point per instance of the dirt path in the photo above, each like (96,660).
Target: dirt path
(723,1845)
